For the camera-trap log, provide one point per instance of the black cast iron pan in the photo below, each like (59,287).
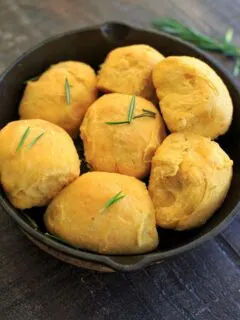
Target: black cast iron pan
(91,46)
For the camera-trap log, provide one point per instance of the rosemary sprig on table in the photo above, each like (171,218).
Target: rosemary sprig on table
(178,29)
(67,92)
(113,200)
(24,137)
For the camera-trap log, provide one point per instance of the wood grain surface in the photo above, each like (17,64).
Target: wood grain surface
(198,285)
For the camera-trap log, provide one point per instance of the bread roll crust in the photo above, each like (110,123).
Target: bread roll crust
(189,180)
(77,215)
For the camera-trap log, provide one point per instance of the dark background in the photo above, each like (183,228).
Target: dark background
(199,285)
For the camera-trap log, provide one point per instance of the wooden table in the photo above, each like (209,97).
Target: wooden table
(202,284)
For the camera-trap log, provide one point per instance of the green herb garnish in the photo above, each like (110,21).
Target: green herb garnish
(116,122)
(24,137)
(131,109)
(229,35)
(149,111)
(56,238)
(113,200)
(146,113)
(29,220)
(35,140)
(67,92)
(236,69)
(178,29)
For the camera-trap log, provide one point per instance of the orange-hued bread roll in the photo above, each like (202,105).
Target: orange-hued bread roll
(37,159)
(79,215)
(189,180)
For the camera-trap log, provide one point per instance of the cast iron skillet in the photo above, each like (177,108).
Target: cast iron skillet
(91,46)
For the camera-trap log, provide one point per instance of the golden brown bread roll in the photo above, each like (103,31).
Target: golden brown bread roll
(129,70)
(124,148)
(33,171)
(47,99)
(189,180)
(79,215)
(192,97)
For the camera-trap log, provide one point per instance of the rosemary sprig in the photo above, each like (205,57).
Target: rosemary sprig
(143,115)
(113,200)
(229,35)
(236,69)
(178,29)
(35,140)
(149,111)
(146,113)
(116,122)
(131,109)
(24,137)
(29,220)
(67,92)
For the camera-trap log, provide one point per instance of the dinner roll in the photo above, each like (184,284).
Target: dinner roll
(189,180)
(129,70)
(123,148)
(61,95)
(83,215)
(37,159)
(192,97)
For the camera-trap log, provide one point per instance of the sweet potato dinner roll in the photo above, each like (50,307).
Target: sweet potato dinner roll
(106,213)
(37,159)
(112,144)
(189,180)
(129,70)
(61,95)
(192,97)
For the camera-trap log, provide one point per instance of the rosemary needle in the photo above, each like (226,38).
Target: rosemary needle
(146,113)
(131,109)
(67,92)
(35,140)
(116,122)
(236,69)
(229,35)
(113,200)
(149,111)
(24,137)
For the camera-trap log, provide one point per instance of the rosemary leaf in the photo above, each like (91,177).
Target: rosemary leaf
(24,137)
(229,35)
(131,109)
(113,200)
(202,41)
(145,114)
(67,92)
(115,123)
(29,220)
(149,111)
(236,69)
(35,140)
